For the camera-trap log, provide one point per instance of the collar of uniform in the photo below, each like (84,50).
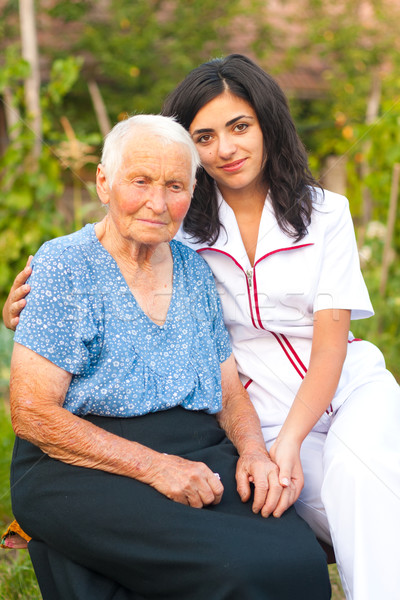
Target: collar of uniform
(270,236)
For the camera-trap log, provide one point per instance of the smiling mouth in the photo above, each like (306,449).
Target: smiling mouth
(234,166)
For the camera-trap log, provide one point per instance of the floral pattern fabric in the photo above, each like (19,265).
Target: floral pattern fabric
(82,316)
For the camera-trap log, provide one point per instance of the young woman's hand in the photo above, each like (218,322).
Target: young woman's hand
(286,454)
(16,298)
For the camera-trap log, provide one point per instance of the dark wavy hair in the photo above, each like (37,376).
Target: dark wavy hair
(286,170)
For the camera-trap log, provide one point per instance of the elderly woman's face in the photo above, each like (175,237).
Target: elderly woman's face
(151,191)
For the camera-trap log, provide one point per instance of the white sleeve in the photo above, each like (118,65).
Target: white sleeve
(341,284)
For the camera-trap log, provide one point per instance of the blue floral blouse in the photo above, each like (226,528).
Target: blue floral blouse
(82,316)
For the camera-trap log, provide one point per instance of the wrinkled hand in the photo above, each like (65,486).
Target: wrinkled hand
(16,298)
(185,481)
(269,495)
(286,454)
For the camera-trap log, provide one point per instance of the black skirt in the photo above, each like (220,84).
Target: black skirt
(94,531)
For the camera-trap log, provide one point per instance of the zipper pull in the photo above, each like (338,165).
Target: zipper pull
(249,275)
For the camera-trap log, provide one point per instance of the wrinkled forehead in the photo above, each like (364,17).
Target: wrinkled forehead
(149,152)
(146,144)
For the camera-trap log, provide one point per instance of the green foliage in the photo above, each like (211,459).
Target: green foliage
(384,328)
(146,47)
(6,343)
(64,73)
(28,214)
(358,45)
(70,10)
(31,188)
(6,446)
(14,69)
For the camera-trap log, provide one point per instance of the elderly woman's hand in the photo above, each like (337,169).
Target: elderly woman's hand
(270,497)
(16,298)
(185,481)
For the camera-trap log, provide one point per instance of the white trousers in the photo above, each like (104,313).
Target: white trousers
(351,495)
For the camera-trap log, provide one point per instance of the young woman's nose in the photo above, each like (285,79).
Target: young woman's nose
(227,146)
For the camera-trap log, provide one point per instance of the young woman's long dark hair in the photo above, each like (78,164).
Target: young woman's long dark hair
(286,170)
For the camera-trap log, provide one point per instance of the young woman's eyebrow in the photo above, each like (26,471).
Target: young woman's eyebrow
(232,121)
(205,130)
(227,124)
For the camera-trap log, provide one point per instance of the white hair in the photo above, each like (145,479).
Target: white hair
(165,129)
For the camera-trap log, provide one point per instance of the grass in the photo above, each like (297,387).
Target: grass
(17,579)
(337,590)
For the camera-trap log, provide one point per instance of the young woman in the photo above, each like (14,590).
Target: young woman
(284,257)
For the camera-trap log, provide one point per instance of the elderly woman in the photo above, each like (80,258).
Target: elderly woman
(123,391)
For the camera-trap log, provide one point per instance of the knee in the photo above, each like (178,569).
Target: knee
(248,572)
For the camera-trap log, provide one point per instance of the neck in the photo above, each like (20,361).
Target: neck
(245,202)
(128,253)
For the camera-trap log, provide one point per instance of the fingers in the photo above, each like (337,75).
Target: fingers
(23,275)
(217,488)
(291,488)
(16,298)
(243,485)
(274,490)
(271,496)
(187,482)
(287,498)
(263,473)
(206,492)
(12,308)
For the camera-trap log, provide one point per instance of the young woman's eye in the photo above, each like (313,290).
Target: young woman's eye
(204,139)
(241,127)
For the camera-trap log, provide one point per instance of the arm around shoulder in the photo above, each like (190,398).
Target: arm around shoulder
(16,298)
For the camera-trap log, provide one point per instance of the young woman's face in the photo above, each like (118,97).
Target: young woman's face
(230,142)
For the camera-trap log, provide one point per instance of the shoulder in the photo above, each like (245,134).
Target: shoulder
(327,201)
(66,248)
(329,210)
(191,259)
(65,261)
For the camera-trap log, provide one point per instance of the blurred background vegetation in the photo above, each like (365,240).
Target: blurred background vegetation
(71,69)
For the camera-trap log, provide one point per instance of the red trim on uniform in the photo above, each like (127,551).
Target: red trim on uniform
(276,336)
(256,300)
(222,252)
(282,250)
(246,385)
(354,340)
(245,274)
(281,339)
(294,352)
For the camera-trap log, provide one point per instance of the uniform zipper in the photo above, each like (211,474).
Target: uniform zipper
(249,275)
